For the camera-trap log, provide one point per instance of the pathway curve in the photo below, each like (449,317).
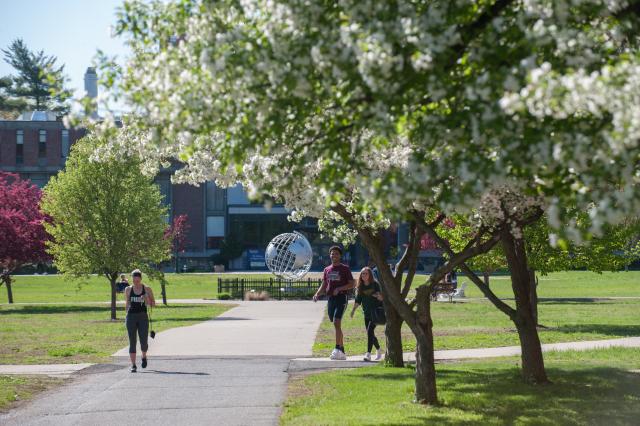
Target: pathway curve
(231,370)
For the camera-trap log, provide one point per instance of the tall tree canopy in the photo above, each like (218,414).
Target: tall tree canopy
(39,83)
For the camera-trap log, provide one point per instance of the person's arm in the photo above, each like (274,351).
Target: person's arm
(355,306)
(378,294)
(322,290)
(126,298)
(151,301)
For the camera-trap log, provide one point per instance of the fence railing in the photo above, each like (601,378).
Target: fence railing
(277,288)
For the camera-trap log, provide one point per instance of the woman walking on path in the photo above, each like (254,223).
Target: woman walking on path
(369,295)
(138,297)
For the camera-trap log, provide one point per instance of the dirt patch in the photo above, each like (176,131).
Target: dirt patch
(24,388)
(296,387)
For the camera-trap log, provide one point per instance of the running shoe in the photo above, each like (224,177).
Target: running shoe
(334,354)
(133,369)
(144,363)
(379,354)
(341,356)
(367,356)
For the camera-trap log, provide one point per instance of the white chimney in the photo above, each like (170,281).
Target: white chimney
(91,82)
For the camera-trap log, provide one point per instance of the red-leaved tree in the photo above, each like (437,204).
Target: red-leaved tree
(177,233)
(22,234)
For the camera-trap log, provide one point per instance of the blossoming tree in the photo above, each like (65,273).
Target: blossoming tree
(514,108)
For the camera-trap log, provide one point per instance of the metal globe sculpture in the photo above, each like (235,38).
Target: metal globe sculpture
(289,256)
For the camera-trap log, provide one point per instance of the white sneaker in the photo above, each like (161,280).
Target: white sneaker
(378,354)
(367,356)
(341,356)
(334,354)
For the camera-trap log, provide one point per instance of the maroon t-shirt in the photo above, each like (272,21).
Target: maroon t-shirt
(337,276)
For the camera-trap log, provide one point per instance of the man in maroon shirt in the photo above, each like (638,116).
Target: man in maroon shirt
(336,283)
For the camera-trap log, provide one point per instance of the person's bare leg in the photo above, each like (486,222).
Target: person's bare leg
(337,324)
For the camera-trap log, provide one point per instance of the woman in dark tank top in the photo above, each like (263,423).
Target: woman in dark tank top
(137,297)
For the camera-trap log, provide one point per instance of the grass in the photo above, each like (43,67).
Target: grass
(575,284)
(60,334)
(55,289)
(594,387)
(16,389)
(479,324)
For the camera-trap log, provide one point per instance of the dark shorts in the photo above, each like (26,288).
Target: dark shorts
(336,306)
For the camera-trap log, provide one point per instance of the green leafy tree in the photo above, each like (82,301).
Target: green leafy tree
(107,217)
(39,83)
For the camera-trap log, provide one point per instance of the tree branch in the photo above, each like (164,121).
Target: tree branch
(488,293)
(472,30)
(404,261)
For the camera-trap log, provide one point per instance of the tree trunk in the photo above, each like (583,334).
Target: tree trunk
(7,282)
(485,275)
(426,392)
(533,294)
(113,297)
(164,292)
(532,361)
(393,336)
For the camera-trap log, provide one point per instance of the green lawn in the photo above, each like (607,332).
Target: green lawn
(57,334)
(15,389)
(479,324)
(594,387)
(569,284)
(54,289)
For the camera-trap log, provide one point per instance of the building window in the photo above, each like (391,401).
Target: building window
(19,147)
(42,144)
(215,198)
(215,231)
(256,230)
(65,143)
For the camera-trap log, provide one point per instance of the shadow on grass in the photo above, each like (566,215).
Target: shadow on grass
(606,329)
(576,300)
(54,309)
(65,309)
(577,396)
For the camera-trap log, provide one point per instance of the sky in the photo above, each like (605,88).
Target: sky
(71,30)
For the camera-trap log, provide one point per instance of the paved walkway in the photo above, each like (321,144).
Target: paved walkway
(169,392)
(286,329)
(231,370)
(459,354)
(51,370)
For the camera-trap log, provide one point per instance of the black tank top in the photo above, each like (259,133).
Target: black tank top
(136,302)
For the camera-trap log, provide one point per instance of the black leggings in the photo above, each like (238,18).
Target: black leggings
(138,322)
(372,340)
